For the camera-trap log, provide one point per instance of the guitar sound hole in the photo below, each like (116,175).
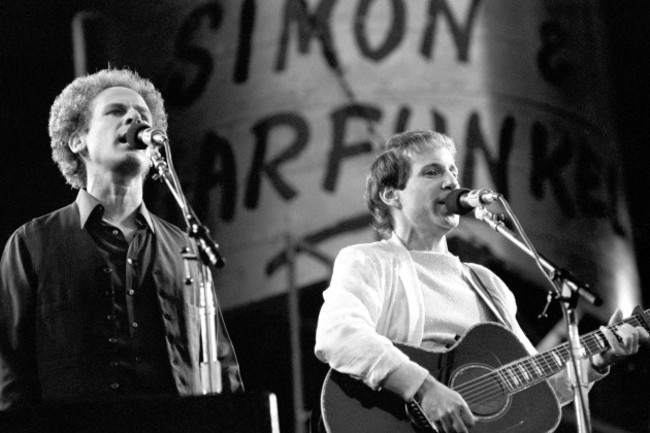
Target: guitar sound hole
(481,390)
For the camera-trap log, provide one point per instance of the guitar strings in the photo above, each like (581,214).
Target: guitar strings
(500,383)
(505,381)
(487,390)
(507,378)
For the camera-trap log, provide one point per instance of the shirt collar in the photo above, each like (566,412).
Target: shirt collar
(87,204)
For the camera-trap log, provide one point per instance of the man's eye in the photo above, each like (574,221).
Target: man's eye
(431,172)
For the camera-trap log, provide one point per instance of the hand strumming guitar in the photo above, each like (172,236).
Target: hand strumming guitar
(444,407)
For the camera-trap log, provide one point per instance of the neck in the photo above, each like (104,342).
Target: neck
(413,240)
(120,199)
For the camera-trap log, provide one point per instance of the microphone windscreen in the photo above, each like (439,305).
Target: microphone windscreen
(132,135)
(452,201)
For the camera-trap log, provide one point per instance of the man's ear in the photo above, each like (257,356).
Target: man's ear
(77,143)
(390,196)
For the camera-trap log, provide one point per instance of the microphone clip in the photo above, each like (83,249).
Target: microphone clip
(494,220)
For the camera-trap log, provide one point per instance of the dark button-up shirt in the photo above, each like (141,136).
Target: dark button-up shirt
(55,333)
(132,331)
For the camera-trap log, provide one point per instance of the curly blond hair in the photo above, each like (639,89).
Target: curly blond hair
(72,110)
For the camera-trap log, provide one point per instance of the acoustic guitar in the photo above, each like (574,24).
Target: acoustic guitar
(504,386)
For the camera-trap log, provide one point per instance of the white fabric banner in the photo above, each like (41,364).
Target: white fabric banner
(279,107)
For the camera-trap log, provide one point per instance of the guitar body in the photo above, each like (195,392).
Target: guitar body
(348,405)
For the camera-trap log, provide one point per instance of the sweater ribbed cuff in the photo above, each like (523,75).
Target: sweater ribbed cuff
(406,379)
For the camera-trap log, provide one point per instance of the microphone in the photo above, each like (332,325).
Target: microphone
(141,136)
(462,200)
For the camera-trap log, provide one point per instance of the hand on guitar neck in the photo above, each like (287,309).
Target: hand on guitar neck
(624,340)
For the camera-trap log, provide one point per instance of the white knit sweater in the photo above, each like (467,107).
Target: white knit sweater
(446,293)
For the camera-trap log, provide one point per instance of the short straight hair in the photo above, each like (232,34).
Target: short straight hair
(392,168)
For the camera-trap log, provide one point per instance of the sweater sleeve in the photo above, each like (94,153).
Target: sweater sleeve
(347,337)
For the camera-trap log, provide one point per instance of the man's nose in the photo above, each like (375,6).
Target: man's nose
(133,116)
(450,182)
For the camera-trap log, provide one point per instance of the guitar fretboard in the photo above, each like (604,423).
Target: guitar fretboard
(521,374)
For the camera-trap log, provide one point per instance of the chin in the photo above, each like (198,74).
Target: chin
(135,166)
(452,221)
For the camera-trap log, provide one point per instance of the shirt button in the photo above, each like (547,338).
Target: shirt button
(113,364)
(116,232)
(115,385)
(110,317)
(130,261)
(131,292)
(134,324)
(107,270)
(112,340)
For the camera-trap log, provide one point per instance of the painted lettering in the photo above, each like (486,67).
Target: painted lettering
(553,67)
(548,166)
(394,36)
(215,150)
(403,116)
(580,180)
(497,166)
(262,130)
(309,25)
(439,122)
(245,43)
(178,92)
(340,150)
(461,33)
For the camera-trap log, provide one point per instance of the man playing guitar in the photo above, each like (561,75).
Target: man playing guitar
(409,289)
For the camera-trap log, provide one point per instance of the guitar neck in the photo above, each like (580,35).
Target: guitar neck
(523,373)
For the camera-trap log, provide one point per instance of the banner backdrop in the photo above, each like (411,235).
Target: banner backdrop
(278,108)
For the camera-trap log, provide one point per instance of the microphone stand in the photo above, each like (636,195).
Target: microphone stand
(567,290)
(209,254)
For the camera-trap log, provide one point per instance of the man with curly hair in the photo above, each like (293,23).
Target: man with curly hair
(409,289)
(93,300)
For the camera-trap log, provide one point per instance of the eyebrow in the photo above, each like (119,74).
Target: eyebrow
(142,109)
(452,168)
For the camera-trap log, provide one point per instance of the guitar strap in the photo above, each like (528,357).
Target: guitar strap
(477,285)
